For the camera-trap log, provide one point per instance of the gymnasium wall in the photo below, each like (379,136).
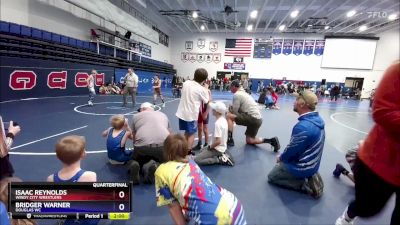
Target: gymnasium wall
(65,19)
(292,67)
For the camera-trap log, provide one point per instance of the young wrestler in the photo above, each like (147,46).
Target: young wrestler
(189,193)
(117,135)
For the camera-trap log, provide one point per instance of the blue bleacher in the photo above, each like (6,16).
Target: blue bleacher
(56,38)
(4,27)
(26,31)
(15,28)
(46,35)
(72,42)
(36,33)
(64,40)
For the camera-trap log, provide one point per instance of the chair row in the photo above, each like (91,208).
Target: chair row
(30,32)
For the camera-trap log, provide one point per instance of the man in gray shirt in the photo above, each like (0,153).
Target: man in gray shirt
(149,129)
(244,111)
(131,81)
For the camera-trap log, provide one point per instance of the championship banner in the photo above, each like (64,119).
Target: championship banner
(145,49)
(189,45)
(298,47)
(200,58)
(192,57)
(234,66)
(287,46)
(213,46)
(319,47)
(277,46)
(209,58)
(184,56)
(201,43)
(308,47)
(217,57)
(262,48)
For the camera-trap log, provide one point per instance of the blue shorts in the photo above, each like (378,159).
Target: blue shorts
(190,127)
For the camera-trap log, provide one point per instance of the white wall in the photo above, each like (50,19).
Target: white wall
(292,67)
(61,17)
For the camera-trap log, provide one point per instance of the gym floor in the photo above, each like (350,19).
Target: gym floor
(45,120)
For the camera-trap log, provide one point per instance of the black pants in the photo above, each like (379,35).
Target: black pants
(144,154)
(372,193)
(6,169)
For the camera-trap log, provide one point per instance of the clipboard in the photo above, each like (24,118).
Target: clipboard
(3,145)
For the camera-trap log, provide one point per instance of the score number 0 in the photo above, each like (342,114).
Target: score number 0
(121,206)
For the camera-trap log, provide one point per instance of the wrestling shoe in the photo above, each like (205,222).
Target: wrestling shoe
(225,159)
(339,170)
(275,143)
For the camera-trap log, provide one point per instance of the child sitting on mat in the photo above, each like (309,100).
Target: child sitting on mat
(70,150)
(117,135)
(189,193)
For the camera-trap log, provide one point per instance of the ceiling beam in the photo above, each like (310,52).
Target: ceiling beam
(317,12)
(391,25)
(235,9)
(375,19)
(287,14)
(340,17)
(193,19)
(179,27)
(273,15)
(348,19)
(211,14)
(260,14)
(222,6)
(248,14)
(302,11)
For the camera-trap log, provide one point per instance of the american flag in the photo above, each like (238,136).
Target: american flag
(238,47)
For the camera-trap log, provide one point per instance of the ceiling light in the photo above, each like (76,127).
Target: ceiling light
(326,27)
(294,14)
(351,13)
(363,28)
(309,25)
(392,17)
(250,27)
(282,27)
(253,14)
(202,27)
(194,14)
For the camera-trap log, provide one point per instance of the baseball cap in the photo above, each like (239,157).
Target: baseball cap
(146,105)
(235,83)
(218,106)
(309,97)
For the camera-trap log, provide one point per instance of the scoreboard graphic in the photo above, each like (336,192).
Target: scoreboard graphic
(262,48)
(29,200)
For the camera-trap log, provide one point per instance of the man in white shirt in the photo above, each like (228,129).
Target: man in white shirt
(131,81)
(216,153)
(90,84)
(192,95)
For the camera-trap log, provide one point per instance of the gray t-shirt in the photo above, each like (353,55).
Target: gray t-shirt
(150,127)
(244,103)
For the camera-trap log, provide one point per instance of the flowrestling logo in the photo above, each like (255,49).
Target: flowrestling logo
(27,80)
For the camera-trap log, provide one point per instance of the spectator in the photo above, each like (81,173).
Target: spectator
(193,94)
(189,193)
(245,85)
(70,150)
(244,111)
(117,135)
(131,81)
(274,98)
(377,166)
(297,167)
(4,195)
(217,152)
(149,130)
(103,89)
(202,124)
(6,168)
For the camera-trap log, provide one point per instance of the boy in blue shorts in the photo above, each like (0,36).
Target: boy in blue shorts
(192,95)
